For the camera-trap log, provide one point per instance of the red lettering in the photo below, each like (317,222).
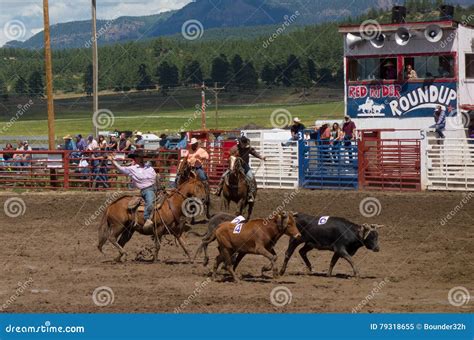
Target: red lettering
(363,91)
(357,91)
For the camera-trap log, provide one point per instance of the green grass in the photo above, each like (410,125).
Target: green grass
(133,117)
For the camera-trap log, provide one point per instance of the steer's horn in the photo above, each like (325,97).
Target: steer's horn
(377,226)
(365,230)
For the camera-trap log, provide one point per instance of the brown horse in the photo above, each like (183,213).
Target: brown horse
(184,173)
(236,188)
(119,221)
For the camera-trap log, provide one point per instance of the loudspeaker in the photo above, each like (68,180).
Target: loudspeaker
(433,33)
(352,40)
(402,36)
(378,41)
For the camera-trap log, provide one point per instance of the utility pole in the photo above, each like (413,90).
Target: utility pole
(203,107)
(49,77)
(95,64)
(216,90)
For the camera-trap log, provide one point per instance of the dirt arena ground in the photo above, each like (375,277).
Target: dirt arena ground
(50,263)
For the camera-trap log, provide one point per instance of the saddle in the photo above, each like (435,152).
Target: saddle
(136,206)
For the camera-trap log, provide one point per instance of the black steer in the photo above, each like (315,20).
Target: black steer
(337,234)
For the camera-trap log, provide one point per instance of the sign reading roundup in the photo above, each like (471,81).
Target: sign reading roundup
(400,101)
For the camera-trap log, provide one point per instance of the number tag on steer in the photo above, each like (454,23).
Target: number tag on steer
(238,228)
(238,221)
(323,220)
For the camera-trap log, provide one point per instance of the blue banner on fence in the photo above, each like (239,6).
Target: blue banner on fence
(237,326)
(417,99)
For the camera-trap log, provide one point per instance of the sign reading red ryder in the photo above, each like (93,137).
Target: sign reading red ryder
(394,100)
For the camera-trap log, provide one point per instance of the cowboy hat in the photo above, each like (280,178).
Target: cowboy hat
(193,141)
(296,120)
(67,137)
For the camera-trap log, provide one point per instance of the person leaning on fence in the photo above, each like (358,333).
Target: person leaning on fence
(164,142)
(7,156)
(112,144)
(297,129)
(183,141)
(22,159)
(336,137)
(243,150)
(139,141)
(348,128)
(143,177)
(124,144)
(440,120)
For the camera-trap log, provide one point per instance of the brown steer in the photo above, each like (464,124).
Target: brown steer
(257,236)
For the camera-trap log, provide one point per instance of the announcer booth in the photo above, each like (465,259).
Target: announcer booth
(396,75)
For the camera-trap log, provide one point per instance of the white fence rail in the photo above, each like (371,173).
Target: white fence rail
(449,164)
(280,169)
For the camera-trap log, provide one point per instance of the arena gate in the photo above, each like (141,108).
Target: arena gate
(328,166)
(449,163)
(388,164)
(281,167)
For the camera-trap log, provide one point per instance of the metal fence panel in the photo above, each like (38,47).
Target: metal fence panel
(329,166)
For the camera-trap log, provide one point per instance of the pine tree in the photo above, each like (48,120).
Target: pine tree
(249,76)
(3,90)
(88,80)
(144,79)
(220,71)
(35,84)
(268,74)
(237,69)
(168,75)
(21,86)
(192,73)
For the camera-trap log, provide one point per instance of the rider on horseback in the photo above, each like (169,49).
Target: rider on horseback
(243,150)
(143,177)
(195,158)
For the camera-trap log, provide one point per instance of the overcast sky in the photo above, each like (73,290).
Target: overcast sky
(20,19)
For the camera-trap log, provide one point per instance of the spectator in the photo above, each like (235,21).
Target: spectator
(68,143)
(22,159)
(183,142)
(348,128)
(315,134)
(81,144)
(390,72)
(102,143)
(336,137)
(6,157)
(325,138)
(139,141)
(164,141)
(297,129)
(92,144)
(440,120)
(112,145)
(124,144)
(411,73)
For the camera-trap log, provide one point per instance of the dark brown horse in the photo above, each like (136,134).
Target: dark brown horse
(119,223)
(236,188)
(186,172)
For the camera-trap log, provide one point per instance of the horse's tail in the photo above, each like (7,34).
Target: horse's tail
(104,230)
